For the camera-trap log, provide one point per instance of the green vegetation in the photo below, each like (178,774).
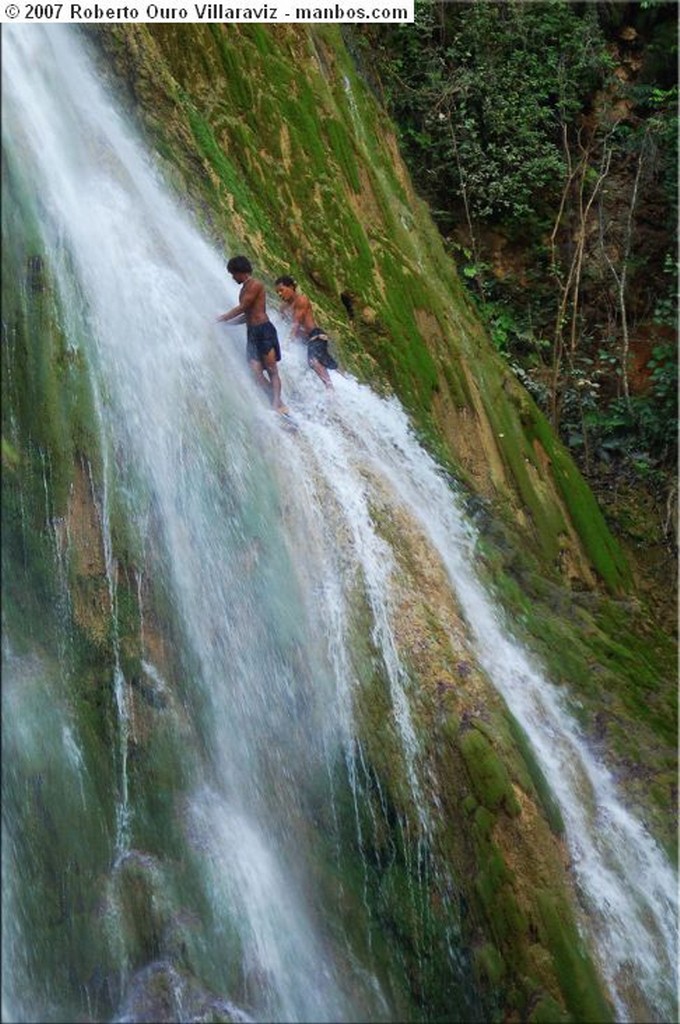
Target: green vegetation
(543,136)
(478,92)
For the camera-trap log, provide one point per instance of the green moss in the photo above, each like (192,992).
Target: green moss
(548,1011)
(232,180)
(551,807)
(482,826)
(546,516)
(341,146)
(470,805)
(307,150)
(490,779)
(451,726)
(457,385)
(11,459)
(357,253)
(374,713)
(395,342)
(157,782)
(577,977)
(279,77)
(236,80)
(507,922)
(261,36)
(492,878)
(489,963)
(605,553)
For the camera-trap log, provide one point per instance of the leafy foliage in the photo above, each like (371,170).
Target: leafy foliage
(551,129)
(479,92)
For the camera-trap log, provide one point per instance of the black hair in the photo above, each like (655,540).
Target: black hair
(239,265)
(286,280)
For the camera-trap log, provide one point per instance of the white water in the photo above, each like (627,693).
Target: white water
(264,537)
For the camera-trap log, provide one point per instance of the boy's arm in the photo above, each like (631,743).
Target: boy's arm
(233,318)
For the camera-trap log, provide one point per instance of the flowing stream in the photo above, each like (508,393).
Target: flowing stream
(261,539)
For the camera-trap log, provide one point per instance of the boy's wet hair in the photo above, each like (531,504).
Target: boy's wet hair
(287,281)
(239,265)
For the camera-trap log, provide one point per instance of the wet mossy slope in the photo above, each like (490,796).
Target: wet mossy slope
(268,132)
(270,135)
(272,138)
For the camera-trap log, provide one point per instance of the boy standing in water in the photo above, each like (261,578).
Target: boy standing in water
(305,327)
(262,350)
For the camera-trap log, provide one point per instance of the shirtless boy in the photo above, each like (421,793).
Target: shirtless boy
(262,350)
(306,328)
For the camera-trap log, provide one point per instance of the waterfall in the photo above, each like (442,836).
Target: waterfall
(261,541)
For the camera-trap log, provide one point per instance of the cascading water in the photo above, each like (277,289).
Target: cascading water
(261,541)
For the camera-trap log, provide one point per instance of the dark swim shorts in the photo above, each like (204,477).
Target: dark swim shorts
(317,348)
(261,339)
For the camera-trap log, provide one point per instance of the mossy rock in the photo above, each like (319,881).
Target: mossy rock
(547,1011)
(577,977)
(489,963)
(488,774)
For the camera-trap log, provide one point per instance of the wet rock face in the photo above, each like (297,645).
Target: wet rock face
(161,993)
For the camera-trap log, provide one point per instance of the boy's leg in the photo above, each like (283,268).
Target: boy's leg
(274,377)
(260,379)
(321,370)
